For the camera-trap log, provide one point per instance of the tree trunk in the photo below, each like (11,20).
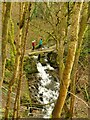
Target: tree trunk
(3,10)
(83,24)
(4,38)
(69,62)
(17,60)
(89,57)
(11,41)
(11,84)
(17,99)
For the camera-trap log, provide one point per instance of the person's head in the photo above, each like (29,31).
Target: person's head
(40,37)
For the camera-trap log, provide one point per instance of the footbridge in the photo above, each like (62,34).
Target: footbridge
(40,51)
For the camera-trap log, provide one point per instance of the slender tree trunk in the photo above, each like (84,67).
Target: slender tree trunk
(4,38)
(17,100)
(11,41)
(88,57)
(11,84)
(60,43)
(17,60)
(69,62)
(3,10)
(83,24)
(60,33)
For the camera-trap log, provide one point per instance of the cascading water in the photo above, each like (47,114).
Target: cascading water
(48,88)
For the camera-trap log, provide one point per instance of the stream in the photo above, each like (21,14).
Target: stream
(47,88)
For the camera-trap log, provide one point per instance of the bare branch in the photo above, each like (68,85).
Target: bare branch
(79,99)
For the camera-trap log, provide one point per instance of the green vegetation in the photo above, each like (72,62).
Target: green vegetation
(28,67)
(64,29)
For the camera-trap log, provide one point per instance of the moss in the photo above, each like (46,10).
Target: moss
(25,99)
(8,75)
(42,61)
(9,65)
(10,113)
(24,114)
(30,66)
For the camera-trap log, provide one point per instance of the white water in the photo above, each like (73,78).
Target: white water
(47,88)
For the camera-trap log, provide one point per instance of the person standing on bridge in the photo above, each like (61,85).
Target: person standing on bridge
(33,44)
(40,43)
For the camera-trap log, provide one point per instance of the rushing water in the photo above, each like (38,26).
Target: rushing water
(48,88)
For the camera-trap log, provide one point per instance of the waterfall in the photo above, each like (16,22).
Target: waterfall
(48,88)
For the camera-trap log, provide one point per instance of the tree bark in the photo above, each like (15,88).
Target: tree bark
(17,99)
(11,40)
(4,38)
(69,62)
(83,24)
(17,61)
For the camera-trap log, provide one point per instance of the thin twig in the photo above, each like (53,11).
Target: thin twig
(51,34)
(33,104)
(79,99)
(82,65)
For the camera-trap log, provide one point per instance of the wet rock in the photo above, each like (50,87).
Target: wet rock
(30,110)
(52,86)
(52,59)
(43,62)
(39,78)
(41,94)
(41,59)
(32,87)
(35,100)
(36,86)
(54,75)
(39,83)
(35,94)
(41,98)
